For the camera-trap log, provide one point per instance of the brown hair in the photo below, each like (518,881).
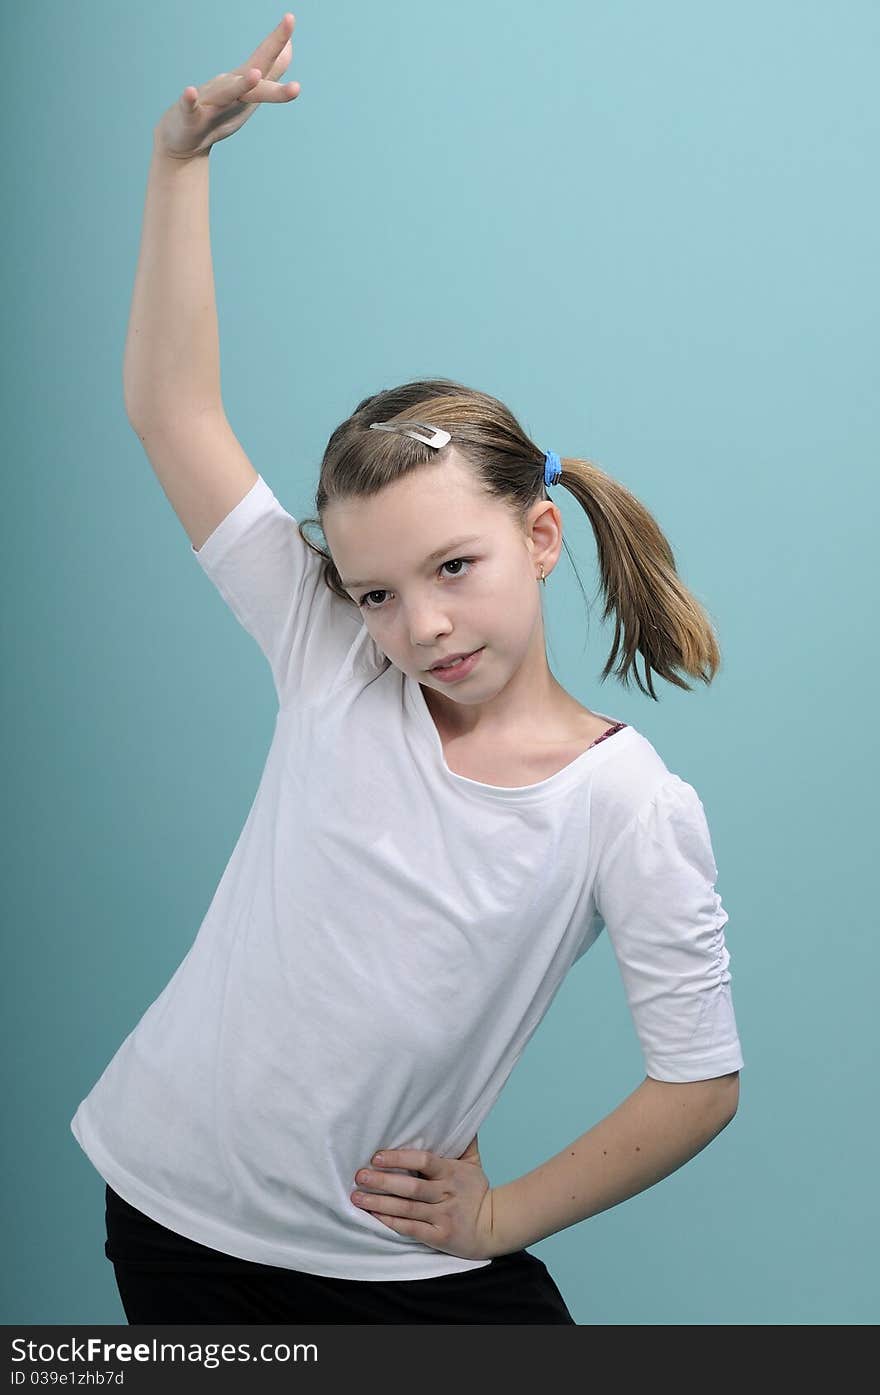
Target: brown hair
(656,614)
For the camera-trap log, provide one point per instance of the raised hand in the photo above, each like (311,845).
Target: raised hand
(203,115)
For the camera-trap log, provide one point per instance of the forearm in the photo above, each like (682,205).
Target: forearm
(656,1129)
(172,349)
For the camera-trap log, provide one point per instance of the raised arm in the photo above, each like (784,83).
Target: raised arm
(171,371)
(172,349)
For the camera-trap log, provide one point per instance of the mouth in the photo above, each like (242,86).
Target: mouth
(458,667)
(451,661)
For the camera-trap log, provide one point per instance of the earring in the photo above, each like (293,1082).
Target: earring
(543,578)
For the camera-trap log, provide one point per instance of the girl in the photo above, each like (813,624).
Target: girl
(289,1134)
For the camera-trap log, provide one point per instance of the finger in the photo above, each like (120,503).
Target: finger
(413,1159)
(268,91)
(282,62)
(398,1184)
(224,88)
(266,53)
(405,1221)
(395,1206)
(377,1217)
(255,88)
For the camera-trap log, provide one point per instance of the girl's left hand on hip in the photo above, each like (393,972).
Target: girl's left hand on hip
(448,1207)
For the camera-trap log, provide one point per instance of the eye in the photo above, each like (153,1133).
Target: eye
(453,562)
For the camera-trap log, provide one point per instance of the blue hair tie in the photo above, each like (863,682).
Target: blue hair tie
(552,467)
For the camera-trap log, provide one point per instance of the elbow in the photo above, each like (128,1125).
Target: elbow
(718,1095)
(728,1086)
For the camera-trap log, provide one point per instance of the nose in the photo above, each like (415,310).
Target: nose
(427,624)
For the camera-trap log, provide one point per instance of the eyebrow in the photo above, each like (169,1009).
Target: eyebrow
(434,557)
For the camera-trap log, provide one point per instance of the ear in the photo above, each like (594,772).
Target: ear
(545,533)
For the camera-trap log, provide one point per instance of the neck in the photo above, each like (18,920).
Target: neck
(527,700)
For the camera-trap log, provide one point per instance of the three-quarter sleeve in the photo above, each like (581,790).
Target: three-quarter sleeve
(655,894)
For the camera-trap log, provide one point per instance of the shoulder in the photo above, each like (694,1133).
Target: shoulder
(626,784)
(648,813)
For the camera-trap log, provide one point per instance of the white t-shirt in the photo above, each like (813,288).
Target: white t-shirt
(385,939)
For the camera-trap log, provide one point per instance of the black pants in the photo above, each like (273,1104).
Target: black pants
(164,1277)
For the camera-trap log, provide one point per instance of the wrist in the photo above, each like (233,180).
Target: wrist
(510,1228)
(502,1238)
(167,158)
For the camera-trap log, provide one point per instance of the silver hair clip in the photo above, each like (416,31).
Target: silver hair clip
(438,436)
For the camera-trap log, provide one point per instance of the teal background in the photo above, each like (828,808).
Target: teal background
(652,231)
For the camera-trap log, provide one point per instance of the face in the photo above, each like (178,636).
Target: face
(476,594)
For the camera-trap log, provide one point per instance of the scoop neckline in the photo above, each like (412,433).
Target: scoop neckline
(595,753)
